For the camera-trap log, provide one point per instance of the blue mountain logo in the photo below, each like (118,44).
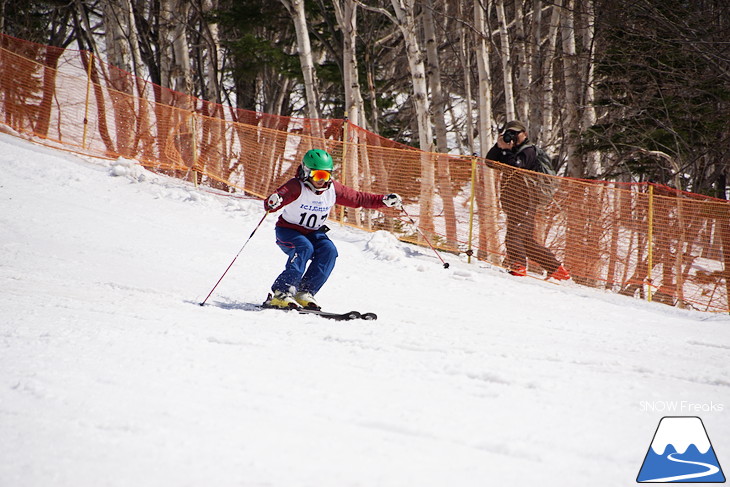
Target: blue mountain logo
(681,452)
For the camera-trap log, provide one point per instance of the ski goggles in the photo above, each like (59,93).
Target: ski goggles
(320,175)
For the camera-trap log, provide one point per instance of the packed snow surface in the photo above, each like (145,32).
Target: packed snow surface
(112,375)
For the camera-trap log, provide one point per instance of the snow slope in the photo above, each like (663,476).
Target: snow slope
(110,374)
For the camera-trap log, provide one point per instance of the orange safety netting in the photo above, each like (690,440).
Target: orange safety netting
(640,240)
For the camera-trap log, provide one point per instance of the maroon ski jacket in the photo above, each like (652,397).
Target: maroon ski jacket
(345,196)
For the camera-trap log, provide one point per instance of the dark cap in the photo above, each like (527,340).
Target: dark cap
(515,125)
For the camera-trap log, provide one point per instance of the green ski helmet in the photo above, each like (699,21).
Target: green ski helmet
(315,160)
(318,159)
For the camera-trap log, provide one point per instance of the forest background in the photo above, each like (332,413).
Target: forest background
(618,90)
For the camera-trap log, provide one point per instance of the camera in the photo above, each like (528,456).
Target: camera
(509,136)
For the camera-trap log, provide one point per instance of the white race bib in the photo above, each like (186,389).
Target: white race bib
(310,210)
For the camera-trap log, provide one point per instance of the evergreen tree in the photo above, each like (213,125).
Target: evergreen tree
(664,92)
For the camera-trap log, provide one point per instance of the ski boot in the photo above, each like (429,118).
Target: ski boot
(306,300)
(281,299)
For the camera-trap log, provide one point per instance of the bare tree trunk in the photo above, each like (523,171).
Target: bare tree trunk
(588,35)
(536,62)
(116,18)
(465,51)
(506,54)
(571,76)
(214,156)
(524,78)
(346,14)
(133,40)
(118,51)
(578,223)
(548,93)
(213,63)
(176,139)
(143,125)
(45,108)
(406,21)
(296,10)
(372,93)
(439,118)
(174,51)
(484,98)
(90,66)
(485,184)
(433,71)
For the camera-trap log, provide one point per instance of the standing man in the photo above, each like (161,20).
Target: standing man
(519,202)
(300,231)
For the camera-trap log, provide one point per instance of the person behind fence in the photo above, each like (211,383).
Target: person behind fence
(301,234)
(519,202)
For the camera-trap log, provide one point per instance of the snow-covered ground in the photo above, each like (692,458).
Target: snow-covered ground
(112,375)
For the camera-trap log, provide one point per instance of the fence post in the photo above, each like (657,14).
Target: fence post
(193,132)
(343,171)
(681,239)
(88,94)
(650,253)
(723,223)
(471,207)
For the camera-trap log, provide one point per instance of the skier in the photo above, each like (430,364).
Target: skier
(300,231)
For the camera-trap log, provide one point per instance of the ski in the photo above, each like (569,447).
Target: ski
(350,315)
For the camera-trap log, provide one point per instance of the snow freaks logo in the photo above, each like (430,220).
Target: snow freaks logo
(680,452)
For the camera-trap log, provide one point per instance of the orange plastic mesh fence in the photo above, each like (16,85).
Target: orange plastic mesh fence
(639,240)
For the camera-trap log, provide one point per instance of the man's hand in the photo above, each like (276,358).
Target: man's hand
(504,145)
(393,200)
(273,202)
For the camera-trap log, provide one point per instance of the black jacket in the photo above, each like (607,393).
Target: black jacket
(525,159)
(514,184)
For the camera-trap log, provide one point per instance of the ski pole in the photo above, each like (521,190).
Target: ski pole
(234,259)
(446,264)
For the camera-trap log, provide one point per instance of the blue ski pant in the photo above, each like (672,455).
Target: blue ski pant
(300,248)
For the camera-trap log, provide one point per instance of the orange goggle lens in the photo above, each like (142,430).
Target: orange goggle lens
(320,175)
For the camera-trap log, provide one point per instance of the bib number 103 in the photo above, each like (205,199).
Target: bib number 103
(311,220)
